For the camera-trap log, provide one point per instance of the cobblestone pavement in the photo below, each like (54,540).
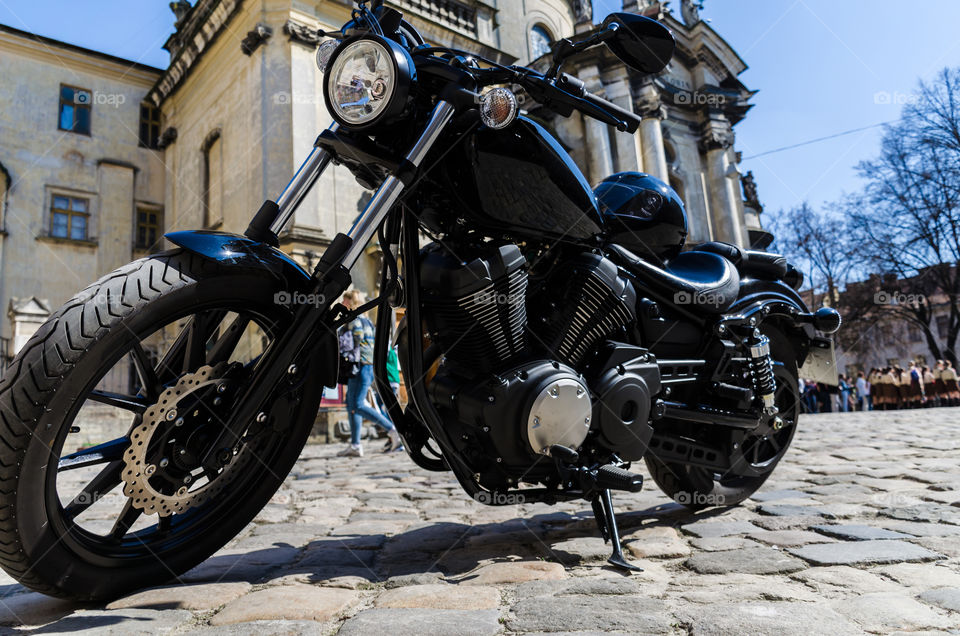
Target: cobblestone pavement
(857,531)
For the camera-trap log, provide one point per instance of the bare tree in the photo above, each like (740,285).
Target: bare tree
(906,222)
(815,242)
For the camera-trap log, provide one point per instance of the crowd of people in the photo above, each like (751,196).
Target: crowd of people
(885,389)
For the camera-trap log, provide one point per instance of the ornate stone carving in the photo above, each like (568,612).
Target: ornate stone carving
(690,10)
(180,8)
(583,11)
(750,197)
(460,16)
(260,34)
(196,31)
(299,32)
(648,104)
(716,134)
(167,137)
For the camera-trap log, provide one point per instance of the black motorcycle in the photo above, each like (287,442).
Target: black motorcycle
(553,334)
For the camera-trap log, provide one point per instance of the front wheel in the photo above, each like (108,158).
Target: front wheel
(107,411)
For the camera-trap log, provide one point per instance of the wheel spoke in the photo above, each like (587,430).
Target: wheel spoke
(99,454)
(195,351)
(224,347)
(165,523)
(149,379)
(105,481)
(130,403)
(176,361)
(127,518)
(773,442)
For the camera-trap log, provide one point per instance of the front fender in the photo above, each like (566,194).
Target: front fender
(233,250)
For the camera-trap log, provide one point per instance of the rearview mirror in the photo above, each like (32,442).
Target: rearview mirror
(640,43)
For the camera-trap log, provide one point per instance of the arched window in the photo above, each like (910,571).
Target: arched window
(540,40)
(213,180)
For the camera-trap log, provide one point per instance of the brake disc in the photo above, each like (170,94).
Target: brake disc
(143,480)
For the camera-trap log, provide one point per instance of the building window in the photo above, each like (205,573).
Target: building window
(540,40)
(213,180)
(74,109)
(69,217)
(149,227)
(149,125)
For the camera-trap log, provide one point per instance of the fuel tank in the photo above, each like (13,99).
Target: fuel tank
(521,180)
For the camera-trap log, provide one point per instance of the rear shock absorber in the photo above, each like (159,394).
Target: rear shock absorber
(761,370)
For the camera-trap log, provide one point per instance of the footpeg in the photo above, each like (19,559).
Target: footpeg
(612,477)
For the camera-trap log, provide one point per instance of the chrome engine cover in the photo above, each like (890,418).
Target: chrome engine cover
(560,414)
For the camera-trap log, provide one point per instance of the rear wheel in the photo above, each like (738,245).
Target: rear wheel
(107,412)
(753,455)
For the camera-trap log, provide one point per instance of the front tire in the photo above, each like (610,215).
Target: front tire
(46,541)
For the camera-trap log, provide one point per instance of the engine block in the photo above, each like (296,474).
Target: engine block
(582,302)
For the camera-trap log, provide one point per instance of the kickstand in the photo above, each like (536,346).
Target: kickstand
(607,522)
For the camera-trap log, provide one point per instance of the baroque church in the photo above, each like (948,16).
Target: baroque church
(100,156)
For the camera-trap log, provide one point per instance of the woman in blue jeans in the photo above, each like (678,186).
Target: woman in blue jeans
(361,354)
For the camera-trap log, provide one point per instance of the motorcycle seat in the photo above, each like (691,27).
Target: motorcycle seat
(706,281)
(765,265)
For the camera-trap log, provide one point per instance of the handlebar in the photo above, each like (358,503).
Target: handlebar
(563,95)
(597,107)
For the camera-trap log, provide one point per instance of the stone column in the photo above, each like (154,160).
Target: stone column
(723,183)
(627,150)
(599,157)
(651,133)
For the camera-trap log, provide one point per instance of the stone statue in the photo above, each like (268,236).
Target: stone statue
(690,10)
(750,192)
(583,10)
(180,8)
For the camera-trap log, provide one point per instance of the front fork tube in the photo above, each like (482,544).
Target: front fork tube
(331,276)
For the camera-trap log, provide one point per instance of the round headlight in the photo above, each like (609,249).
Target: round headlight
(367,81)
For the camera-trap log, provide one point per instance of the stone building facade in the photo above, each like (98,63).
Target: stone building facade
(240,104)
(75,175)
(686,137)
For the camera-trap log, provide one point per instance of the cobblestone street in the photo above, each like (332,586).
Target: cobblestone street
(857,531)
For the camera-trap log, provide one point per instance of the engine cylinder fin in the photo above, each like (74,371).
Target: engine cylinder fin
(596,302)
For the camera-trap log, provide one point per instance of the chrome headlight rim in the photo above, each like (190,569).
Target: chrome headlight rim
(404,73)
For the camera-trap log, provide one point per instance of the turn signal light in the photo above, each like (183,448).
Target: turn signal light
(498,108)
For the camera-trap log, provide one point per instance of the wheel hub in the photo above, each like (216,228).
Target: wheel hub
(162,473)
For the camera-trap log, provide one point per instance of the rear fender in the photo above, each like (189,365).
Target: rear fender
(782,306)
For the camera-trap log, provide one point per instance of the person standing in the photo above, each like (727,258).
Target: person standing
(863,393)
(357,386)
(938,383)
(393,377)
(950,384)
(916,386)
(845,389)
(929,388)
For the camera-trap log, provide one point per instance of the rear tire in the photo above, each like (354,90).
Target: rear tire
(696,487)
(40,545)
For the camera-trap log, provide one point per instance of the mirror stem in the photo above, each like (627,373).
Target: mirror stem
(564,48)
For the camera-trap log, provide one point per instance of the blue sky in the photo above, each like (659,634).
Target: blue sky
(821,66)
